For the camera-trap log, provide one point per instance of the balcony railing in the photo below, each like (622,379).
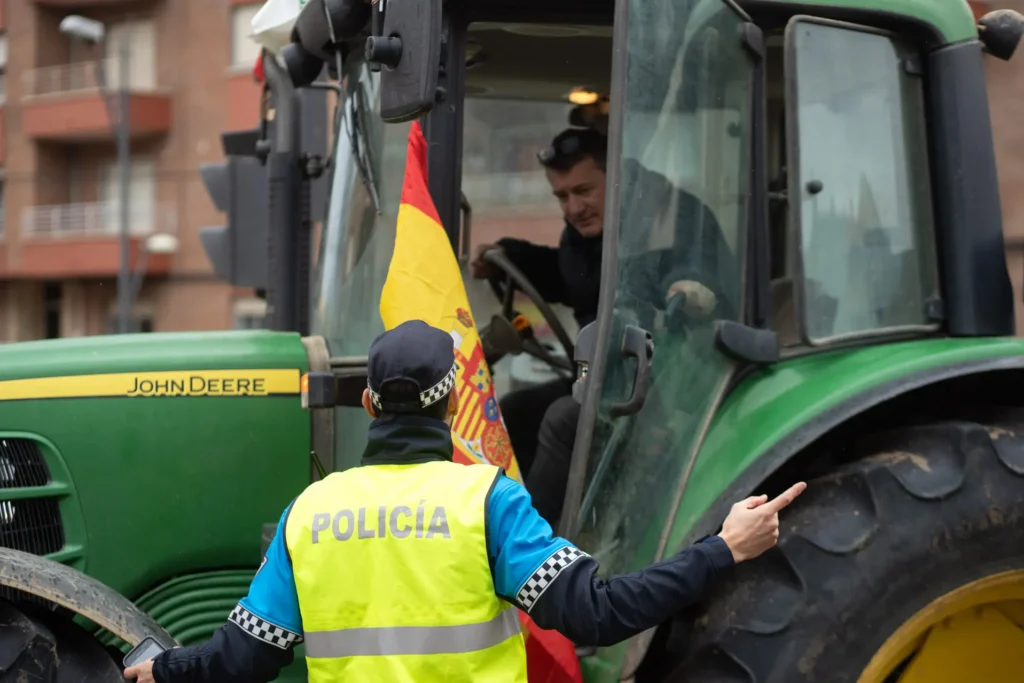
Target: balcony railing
(79,78)
(96,219)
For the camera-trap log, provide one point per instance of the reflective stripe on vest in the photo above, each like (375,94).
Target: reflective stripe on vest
(412,640)
(393,578)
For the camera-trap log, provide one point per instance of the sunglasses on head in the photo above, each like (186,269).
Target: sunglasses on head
(566,147)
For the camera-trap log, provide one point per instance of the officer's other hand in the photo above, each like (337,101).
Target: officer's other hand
(478,267)
(141,672)
(700,301)
(752,526)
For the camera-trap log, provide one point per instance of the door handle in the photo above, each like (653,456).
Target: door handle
(467,227)
(636,343)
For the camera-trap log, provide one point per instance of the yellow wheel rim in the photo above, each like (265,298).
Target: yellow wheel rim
(974,633)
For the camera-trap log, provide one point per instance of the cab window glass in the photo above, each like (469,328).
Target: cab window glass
(683,189)
(866,228)
(357,241)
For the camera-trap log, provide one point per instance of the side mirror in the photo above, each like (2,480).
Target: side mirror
(408,51)
(1000,32)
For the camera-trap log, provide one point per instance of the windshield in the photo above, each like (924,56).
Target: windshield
(685,160)
(356,246)
(502,182)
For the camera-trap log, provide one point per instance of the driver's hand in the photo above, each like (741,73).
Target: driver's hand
(700,301)
(479,268)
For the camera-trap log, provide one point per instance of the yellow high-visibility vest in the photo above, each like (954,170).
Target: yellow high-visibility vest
(393,580)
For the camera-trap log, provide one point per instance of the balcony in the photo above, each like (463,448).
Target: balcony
(82,240)
(64,103)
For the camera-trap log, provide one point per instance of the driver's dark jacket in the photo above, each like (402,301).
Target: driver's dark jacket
(563,593)
(570,273)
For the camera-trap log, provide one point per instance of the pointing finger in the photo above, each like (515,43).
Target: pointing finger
(785,498)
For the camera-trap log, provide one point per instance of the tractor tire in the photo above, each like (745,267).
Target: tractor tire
(918,512)
(37,646)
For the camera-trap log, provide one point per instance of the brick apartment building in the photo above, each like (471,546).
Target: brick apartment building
(190,79)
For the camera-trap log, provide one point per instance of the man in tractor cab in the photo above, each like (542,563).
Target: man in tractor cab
(541,420)
(409,567)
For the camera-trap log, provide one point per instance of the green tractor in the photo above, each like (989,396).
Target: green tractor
(137,471)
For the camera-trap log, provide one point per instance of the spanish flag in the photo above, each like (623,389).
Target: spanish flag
(424,283)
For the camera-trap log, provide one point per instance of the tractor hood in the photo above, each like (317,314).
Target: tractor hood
(186,444)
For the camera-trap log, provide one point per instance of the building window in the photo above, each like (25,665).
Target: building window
(140,38)
(244,50)
(51,309)
(249,314)
(142,214)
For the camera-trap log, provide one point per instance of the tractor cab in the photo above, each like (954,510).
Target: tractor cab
(825,172)
(781,159)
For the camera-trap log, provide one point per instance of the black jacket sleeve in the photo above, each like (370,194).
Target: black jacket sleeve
(699,253)
(592,611)
(540,266)
(232,655)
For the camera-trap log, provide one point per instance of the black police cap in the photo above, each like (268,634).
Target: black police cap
(412,353)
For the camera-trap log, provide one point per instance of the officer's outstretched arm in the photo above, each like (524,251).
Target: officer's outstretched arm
(259,638)
(557,584)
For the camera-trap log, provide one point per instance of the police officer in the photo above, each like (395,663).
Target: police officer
(409,566)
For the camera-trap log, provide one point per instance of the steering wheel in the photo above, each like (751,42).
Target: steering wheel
(514,279)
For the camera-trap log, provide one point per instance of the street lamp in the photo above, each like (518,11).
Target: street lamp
(94,32)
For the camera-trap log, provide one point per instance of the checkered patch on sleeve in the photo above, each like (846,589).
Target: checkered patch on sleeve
(263,629)
(545,574)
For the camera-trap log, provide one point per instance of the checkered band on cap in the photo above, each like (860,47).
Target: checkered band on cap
(431,395)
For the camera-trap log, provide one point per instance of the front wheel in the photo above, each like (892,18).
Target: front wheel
(39,646)
(906,564)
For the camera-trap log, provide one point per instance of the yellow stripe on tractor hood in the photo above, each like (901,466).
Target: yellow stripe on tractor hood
(179,383)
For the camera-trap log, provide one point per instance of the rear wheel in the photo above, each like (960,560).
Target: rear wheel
(37,645)
(907,564)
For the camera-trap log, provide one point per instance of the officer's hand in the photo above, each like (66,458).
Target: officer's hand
(478,267)
(142,672)
(752,526)
(700,301)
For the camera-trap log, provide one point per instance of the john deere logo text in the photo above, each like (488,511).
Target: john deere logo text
(198,385)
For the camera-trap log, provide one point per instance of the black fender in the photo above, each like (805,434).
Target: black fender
(81,594)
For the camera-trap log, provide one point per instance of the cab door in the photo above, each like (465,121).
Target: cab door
(682,154)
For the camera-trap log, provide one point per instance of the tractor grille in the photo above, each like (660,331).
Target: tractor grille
(31,526)
(21,464)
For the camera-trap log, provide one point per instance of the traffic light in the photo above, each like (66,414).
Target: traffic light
(238,188)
